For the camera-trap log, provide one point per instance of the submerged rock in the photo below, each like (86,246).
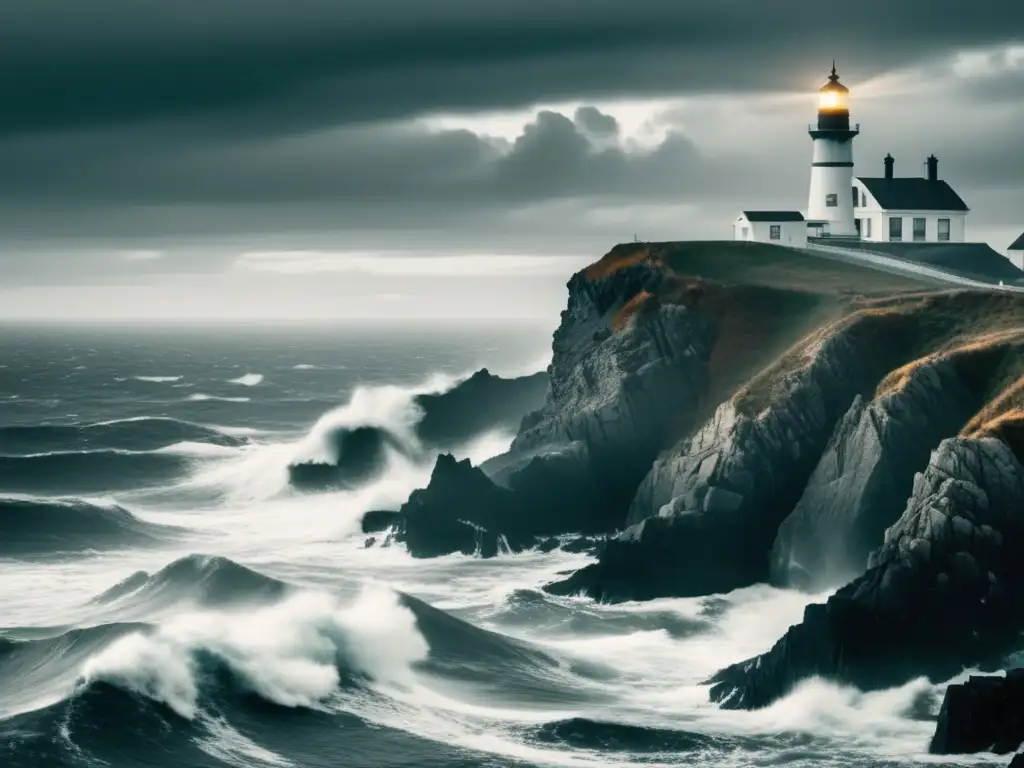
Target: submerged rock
(984,714)
(942,593)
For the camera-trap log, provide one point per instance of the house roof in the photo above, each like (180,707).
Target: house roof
(914,194)
(1018,244)
(773,215)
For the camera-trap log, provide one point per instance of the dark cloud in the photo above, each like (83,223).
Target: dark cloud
(153,120)
(554,157)
(65,64)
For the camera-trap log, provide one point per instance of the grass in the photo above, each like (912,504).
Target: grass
(631,308)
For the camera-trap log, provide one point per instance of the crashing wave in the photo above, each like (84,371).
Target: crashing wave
(295,653)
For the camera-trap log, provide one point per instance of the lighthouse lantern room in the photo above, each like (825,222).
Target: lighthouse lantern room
(830,204)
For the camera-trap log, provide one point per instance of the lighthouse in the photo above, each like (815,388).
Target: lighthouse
(831,197)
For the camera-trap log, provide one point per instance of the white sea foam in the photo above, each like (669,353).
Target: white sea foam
(198,450)
(228,745)
(158,379)
(287,653)
(199,397)
(248,380)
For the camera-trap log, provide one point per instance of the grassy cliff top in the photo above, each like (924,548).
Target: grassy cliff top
(775,306)
(771,266)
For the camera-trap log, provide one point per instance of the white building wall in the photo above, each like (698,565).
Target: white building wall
(1016,258)
(880,217)
(791,233)
(832,180)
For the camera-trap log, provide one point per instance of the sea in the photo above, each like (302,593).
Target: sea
(168,600)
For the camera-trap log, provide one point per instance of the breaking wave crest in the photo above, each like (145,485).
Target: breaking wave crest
(295,653)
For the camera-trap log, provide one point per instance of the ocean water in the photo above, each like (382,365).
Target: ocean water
(168,600)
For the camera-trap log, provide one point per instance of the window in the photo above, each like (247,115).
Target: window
(856,196)
(895,228)
(919,230)
(775,232)
(863,200)
(865,231)
(831,201)
(943,229)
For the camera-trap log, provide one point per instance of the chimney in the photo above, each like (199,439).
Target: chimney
(933,168)
(889,161)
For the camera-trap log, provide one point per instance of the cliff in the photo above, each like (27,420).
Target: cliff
(730,413)
(653,338)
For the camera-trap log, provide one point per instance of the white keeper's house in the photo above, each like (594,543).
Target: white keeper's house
(848,209)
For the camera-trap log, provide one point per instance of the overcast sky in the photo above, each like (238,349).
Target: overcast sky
(234,158)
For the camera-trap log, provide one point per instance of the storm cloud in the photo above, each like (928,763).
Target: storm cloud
(198,131)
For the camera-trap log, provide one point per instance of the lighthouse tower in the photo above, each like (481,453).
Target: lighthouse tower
(831,196)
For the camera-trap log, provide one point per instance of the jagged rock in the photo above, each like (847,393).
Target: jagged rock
(985,714)
(862,482)
(705,517)
(377,520)
(620,391)
(623,395)
(458,511)
(941,594)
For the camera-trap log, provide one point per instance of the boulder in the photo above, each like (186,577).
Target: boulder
(941,594)
(984,714)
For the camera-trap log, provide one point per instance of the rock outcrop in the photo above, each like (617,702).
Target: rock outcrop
(861,483)
(941,594)
(459,511)
(705,517)
(984,714)
(628,373)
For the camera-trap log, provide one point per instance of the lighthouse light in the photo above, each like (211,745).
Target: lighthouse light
(831,99)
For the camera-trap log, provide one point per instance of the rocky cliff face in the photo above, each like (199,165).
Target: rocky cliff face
(627,374)
(942,592)
(705,517)
(861,483)
(982,714)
